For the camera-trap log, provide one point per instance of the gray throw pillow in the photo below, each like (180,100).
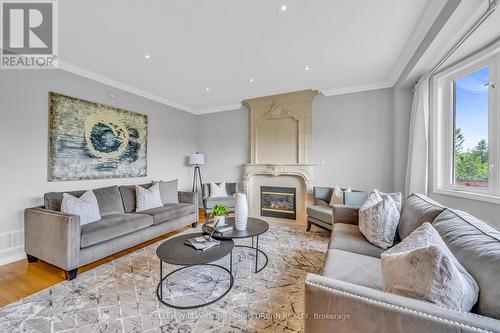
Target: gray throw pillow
(423,267)
(148,198)
(396,196)
(168,191)
(85,206)
(378,220)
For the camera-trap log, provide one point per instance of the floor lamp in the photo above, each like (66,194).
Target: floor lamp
(196,159)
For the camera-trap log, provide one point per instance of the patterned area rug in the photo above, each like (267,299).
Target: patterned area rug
(120,296)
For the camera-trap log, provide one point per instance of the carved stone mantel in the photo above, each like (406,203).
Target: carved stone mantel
(304,171)
(280,137)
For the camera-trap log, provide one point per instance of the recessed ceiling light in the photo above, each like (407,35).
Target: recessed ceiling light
(207,89)
(307,68)
(147,56)
(250,80)
(283,8)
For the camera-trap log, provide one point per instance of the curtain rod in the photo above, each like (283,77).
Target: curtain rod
(491,8)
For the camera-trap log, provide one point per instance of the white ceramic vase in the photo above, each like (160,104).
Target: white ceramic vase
(220,220)
(241,212)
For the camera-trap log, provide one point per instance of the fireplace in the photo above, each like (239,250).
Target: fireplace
(278,202)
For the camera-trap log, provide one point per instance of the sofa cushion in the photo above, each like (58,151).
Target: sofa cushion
(168,192)
(169,212)
(322,213)
(147,198)
(416,210)
(354,268)
(128,196)
(347,237)
(113,226)
(476,245)
(231,189)
(229,202)
(53,200)
(85,206)
(108,198)
(422,267)
(378,220)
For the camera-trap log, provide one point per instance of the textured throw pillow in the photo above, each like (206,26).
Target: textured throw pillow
(168,191)
(337,196)
(423,267)
(218,191)
(397,197)
(85,206)
(148,198)
(378,220)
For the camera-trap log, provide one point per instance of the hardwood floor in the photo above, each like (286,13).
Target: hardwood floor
(20,279)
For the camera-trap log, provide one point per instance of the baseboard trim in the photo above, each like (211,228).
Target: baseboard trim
(14,257)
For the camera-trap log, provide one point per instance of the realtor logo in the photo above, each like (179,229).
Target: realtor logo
(29,34)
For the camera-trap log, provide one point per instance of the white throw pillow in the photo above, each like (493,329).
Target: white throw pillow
(337,196)
(85,206)
(423,267)
(148,198)
(378,220)
(397,197)
(218,191)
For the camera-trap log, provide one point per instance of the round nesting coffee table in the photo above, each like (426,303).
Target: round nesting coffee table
(174,251)
(255,227)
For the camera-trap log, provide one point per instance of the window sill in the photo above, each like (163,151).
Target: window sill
(469,195)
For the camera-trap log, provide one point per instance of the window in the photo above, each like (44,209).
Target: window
(470,104)
(466,123)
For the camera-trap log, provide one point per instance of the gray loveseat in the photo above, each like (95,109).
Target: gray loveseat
(349,296)
(58,238)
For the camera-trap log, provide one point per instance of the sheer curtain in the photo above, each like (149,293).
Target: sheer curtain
(418,144)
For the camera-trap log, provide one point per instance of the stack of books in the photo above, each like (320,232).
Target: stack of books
(202,242)
(220,229)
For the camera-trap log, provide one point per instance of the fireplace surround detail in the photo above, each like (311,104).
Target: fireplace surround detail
(280,129)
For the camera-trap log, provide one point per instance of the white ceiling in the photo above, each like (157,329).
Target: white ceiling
(467,13)
(194,44)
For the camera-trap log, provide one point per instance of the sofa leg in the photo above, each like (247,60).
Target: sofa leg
(194,225)
(71,275)
(31,259)
(308,228)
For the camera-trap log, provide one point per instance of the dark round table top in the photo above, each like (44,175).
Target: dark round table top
(255,227)
(175,252)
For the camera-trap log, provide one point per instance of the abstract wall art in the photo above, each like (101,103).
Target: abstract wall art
(93,141)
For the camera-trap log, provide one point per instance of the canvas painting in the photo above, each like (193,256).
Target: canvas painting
(92,141)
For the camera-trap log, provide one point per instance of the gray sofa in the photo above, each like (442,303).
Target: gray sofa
(58,238)
(349,296)
(321,213)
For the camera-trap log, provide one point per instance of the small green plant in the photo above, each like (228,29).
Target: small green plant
(219,210)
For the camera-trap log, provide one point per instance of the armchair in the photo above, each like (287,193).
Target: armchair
(210,202)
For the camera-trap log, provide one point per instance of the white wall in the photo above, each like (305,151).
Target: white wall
(352,140)
(24,141)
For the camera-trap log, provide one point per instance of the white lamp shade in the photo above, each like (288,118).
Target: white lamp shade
(197,159)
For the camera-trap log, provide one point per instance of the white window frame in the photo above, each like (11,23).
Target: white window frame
(442,129)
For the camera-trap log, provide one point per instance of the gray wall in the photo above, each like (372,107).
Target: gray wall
(352,140)
(223,138)
(24,140)
(352,135)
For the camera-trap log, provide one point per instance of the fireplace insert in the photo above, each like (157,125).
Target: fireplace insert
(278,202)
